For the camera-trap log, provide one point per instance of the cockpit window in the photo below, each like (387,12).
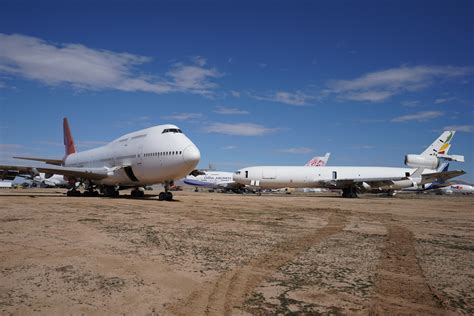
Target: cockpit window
(172,130)
(237,172)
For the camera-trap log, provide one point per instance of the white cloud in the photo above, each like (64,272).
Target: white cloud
(420,116)
(229,111)
(239,129)
(235,94)
(96,69)
(460,128)
(193,78)
(296,150)
(183,116)
(412,103)
(444,100)
(381,85)
(199,60)
(372,96)
(296,98)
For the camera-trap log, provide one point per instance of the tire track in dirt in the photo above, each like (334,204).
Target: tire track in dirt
(400,286)
(231,288)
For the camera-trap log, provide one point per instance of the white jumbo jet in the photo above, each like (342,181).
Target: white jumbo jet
(159,154)
(224,180)
(352,180)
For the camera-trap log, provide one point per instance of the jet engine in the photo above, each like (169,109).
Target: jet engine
(418,161)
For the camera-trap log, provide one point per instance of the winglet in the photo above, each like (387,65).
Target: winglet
(69,146)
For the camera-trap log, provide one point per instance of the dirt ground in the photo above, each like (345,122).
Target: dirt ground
(227,254)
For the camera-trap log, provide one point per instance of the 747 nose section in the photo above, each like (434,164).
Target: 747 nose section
(191,155)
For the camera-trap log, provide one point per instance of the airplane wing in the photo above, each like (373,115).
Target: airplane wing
(57,162)
(384,182)
(85,173)
(440,176)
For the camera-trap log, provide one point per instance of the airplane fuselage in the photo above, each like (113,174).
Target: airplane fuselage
(211,179)
(153,155)
(457,188)
(273,177)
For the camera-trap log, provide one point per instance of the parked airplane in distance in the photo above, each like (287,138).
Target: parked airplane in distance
(224,180)
(6,184)
(352,180)
(50,181)
(456,189)
(159,154)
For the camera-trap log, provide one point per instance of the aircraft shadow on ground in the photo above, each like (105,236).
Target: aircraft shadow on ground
(121,197)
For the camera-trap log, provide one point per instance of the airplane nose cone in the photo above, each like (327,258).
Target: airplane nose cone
(237,176)
(191,155)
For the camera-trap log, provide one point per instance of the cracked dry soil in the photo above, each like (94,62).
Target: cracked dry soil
(218,254)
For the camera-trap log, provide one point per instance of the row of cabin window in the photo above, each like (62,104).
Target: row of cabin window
(164,153)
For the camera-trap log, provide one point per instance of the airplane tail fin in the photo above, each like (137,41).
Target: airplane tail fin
(318,161)
(440,146)
(69,146)
(443,167)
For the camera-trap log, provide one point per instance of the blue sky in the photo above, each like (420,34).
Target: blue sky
(273,82)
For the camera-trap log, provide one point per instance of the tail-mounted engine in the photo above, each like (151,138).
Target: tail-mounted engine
(419,161)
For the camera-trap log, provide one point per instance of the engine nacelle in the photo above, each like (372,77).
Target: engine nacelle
(402,184)
(418,161)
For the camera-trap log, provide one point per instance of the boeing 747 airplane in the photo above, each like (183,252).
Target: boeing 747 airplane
(159,154)
(352,180)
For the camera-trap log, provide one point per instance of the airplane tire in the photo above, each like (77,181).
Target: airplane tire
(73,193)
(162,196)
(169,196)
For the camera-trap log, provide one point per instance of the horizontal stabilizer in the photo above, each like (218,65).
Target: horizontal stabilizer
(440,176)
(57,162)
(458,158)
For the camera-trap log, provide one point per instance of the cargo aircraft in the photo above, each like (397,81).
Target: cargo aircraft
(352,180)
(224,180)
(159,154)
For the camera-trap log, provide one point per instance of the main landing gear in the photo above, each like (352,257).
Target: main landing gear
(110,191)
(90,189)
(74,192)
(137,193)
(350,192)
(167,195)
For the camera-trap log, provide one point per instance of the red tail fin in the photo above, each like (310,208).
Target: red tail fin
(69,146)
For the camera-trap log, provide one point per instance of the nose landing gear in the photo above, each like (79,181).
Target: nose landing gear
(167,195)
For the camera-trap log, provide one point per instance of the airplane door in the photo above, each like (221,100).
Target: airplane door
(140,155)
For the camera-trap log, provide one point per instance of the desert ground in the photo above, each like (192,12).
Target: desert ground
(229,254)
